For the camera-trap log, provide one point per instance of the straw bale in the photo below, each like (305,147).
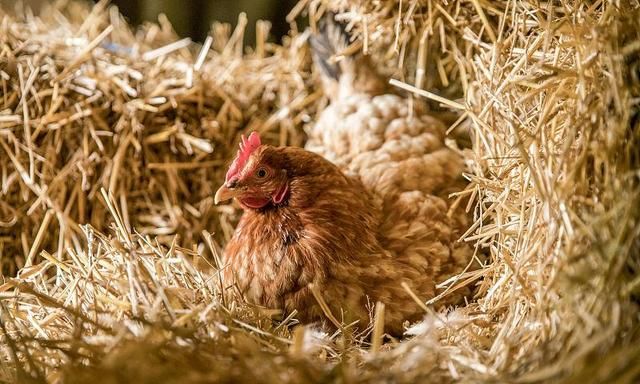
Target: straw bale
(548,91)
(87,103)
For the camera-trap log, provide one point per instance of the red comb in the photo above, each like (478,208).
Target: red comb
(247,146)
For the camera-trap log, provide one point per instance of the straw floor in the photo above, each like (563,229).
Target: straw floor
(112,141)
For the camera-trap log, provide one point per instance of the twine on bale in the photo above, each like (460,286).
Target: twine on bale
(549,93)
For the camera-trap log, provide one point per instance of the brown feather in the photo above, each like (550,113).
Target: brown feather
(328,233)
(367,209)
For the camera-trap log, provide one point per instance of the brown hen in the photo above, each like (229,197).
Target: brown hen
(368,211)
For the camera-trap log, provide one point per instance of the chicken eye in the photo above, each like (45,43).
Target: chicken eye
(262,173)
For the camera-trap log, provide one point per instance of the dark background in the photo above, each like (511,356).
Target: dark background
(193,18)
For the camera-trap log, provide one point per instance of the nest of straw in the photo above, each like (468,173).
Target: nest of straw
(111,141)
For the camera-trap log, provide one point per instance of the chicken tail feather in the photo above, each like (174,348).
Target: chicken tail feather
(331,39)
(342,72)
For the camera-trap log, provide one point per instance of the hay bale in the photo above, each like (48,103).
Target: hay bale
(88,104)
(550,94)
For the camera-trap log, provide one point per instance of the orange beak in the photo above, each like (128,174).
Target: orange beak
(225,193)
